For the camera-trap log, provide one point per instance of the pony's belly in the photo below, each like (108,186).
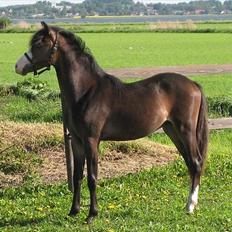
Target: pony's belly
(124,137)
(133,124)
(126,132)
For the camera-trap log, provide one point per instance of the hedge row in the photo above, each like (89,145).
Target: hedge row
(125,30)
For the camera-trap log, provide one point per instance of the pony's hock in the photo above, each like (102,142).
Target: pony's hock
(98,106)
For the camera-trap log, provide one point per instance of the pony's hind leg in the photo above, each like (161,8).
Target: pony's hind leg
(195,163)
(193,195)
(184,138)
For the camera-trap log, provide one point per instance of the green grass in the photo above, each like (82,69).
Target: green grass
(157,49)
(215,85)
(148,201)
(20,109)
(140,50)
(223,26)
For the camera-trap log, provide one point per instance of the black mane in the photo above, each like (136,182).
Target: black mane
(81,50)
(75,41)
(78,45)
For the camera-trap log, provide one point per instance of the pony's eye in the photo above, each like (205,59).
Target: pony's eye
(39,45)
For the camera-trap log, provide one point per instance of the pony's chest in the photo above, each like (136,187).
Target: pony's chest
(88,122)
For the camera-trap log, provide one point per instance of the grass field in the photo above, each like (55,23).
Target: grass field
(215,85)
(160,26)
(148,201)
(140,50)
(222,26)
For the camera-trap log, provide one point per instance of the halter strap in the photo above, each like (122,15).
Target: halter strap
(33,65)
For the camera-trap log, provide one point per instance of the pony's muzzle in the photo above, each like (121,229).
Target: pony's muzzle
(23,66)
(22,71)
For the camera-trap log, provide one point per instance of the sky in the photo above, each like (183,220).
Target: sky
(16,2)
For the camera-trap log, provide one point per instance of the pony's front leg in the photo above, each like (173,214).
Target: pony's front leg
(79,162)
(92,170)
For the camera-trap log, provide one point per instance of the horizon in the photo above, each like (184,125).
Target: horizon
(4,3)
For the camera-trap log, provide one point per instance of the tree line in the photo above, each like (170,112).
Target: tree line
(113,7)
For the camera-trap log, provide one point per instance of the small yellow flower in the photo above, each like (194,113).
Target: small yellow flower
(111,206)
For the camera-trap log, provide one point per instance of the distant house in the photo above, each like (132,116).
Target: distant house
(151,10)
(37,15)
(226,12)
(69,15)
(60,8)
(199,11)
(179,12)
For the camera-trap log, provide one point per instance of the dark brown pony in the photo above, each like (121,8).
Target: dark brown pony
(99,106)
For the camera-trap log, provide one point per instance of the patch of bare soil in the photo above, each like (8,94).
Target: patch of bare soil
(28,134)
(118,158)
(147,154)
(11,180)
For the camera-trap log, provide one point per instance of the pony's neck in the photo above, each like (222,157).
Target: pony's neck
(76,74)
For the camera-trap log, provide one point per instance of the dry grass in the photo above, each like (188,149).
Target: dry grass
(23,25)
(122,158)
(10,180)
(24,139)
(188,25)
(116,159)
(28,134)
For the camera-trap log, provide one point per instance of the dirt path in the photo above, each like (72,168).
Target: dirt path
(186,70)
(220,123)
(214,124)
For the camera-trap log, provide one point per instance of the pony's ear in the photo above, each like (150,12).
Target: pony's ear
(45,26)
(48,31)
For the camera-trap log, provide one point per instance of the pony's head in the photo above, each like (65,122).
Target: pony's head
(43,47)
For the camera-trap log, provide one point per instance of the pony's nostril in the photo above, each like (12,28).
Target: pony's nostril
(16,66)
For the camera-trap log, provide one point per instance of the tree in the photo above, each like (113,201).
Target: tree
(4,22)
(228,5)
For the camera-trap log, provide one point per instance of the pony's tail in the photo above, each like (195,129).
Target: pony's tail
(202,129)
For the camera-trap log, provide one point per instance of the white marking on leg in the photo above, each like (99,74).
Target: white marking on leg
(193,199)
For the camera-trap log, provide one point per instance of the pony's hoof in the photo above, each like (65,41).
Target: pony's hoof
(91,216)
(73,212)
(190,208)
(89,219)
